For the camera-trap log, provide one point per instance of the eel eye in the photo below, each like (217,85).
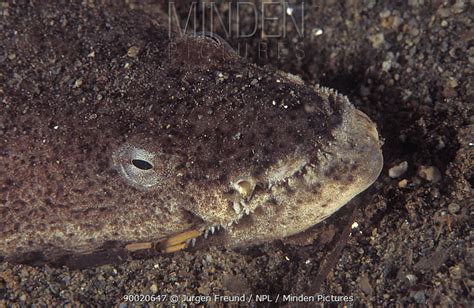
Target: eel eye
(211,37)
(142,164)
(137,167)
(215,39)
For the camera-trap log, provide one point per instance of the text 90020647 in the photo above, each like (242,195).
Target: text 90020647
(144,298)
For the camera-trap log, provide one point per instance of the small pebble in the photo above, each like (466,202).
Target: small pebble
(386,65)
(317,31)
(133,51)
(455,272)
(24,273)
(429,173)
(453,208)
(364,284)
(420,297)
(154,288)
(398,170)
(385,13)
(77,83)
(377,40)
(452,82)
(403,183)
(411,278)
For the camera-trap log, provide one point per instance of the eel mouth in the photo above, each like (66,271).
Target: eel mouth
(214,233)
(247,188)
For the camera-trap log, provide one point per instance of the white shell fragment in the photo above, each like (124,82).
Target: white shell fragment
(398,170)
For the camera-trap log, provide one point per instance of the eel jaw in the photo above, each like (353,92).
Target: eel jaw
(278,174)
(245,188)
(314,182)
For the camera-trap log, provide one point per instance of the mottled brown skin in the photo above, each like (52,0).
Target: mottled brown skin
(76,109)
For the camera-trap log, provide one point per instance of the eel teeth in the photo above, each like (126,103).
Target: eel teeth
(236,207)
(191,242)
(211,230)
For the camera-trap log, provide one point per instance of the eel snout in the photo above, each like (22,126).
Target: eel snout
(313,184)
(363,148)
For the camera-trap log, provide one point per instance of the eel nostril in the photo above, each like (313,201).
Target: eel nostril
(244,188)
(142,164)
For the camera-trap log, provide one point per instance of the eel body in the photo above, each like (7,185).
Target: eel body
(115,134)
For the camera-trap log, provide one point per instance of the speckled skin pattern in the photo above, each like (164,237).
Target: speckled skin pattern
(86,91)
